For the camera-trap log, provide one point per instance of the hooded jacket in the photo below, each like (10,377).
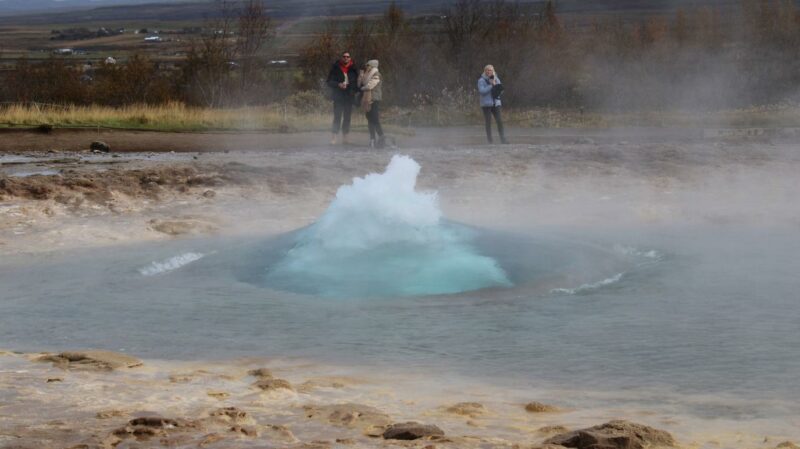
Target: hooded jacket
(370,81)
(485,90)
(336,76)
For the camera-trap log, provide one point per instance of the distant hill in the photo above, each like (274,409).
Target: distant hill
(19,7)
(31,12)
(76,10)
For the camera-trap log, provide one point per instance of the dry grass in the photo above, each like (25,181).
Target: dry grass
(168,117)
(177,117)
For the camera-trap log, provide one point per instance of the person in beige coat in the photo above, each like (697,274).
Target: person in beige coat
(369,81)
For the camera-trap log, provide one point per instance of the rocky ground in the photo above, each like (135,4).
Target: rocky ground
(99,399)
(61,197)
(106,400)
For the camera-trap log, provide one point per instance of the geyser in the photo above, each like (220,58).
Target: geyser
(380,237)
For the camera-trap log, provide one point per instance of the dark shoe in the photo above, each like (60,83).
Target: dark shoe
(381,142)
(503,141)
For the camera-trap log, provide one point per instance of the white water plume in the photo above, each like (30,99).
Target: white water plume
(380,237)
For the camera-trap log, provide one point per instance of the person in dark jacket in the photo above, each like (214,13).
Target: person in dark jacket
(490,102)
(343,81)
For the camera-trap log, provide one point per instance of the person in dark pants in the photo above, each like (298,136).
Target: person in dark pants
(369,81)
(490,102)
(342,80)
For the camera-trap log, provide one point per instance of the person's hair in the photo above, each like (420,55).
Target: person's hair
(346,51)
(488,66)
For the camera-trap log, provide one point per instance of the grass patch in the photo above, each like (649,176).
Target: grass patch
(174,117)
(289,117)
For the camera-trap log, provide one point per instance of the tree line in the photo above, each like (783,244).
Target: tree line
(699,58)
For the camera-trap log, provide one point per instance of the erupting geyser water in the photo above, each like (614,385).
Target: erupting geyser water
(380,237)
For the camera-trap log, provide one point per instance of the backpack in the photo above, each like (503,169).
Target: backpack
(497,91)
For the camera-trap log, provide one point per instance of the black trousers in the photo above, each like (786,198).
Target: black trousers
(488,112)
(341,116)
(374,120)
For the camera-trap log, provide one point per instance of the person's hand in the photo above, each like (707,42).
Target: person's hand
(343,86)
(494,81)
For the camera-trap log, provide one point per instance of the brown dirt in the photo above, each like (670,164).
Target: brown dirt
(60,139)
(17,140)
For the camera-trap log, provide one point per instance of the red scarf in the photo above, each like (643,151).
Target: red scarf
(345,67)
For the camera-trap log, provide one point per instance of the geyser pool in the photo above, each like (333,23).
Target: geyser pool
(700,330)
(380,237)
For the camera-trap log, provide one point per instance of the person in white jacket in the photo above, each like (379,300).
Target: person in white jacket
(369,81)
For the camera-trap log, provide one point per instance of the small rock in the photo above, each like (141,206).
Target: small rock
(313,384)
(371,421)
(91,360)
(139,432)
(181,227)
(100,146)
(614,435)
(146,427)
(282,433)
(232,414)
(374,431)
(273,384)
(316,444)
(787,445)
(261,373)
(471,409)
(55,379)
(245,430)
(218,394)
(552,429)
(106,414)
(209,194)
(153,421)
(110,441)
(411,431)
(538,407)
(180,378)
(211,438)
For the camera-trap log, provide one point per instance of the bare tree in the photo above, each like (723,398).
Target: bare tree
(207,72)
(255,31)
